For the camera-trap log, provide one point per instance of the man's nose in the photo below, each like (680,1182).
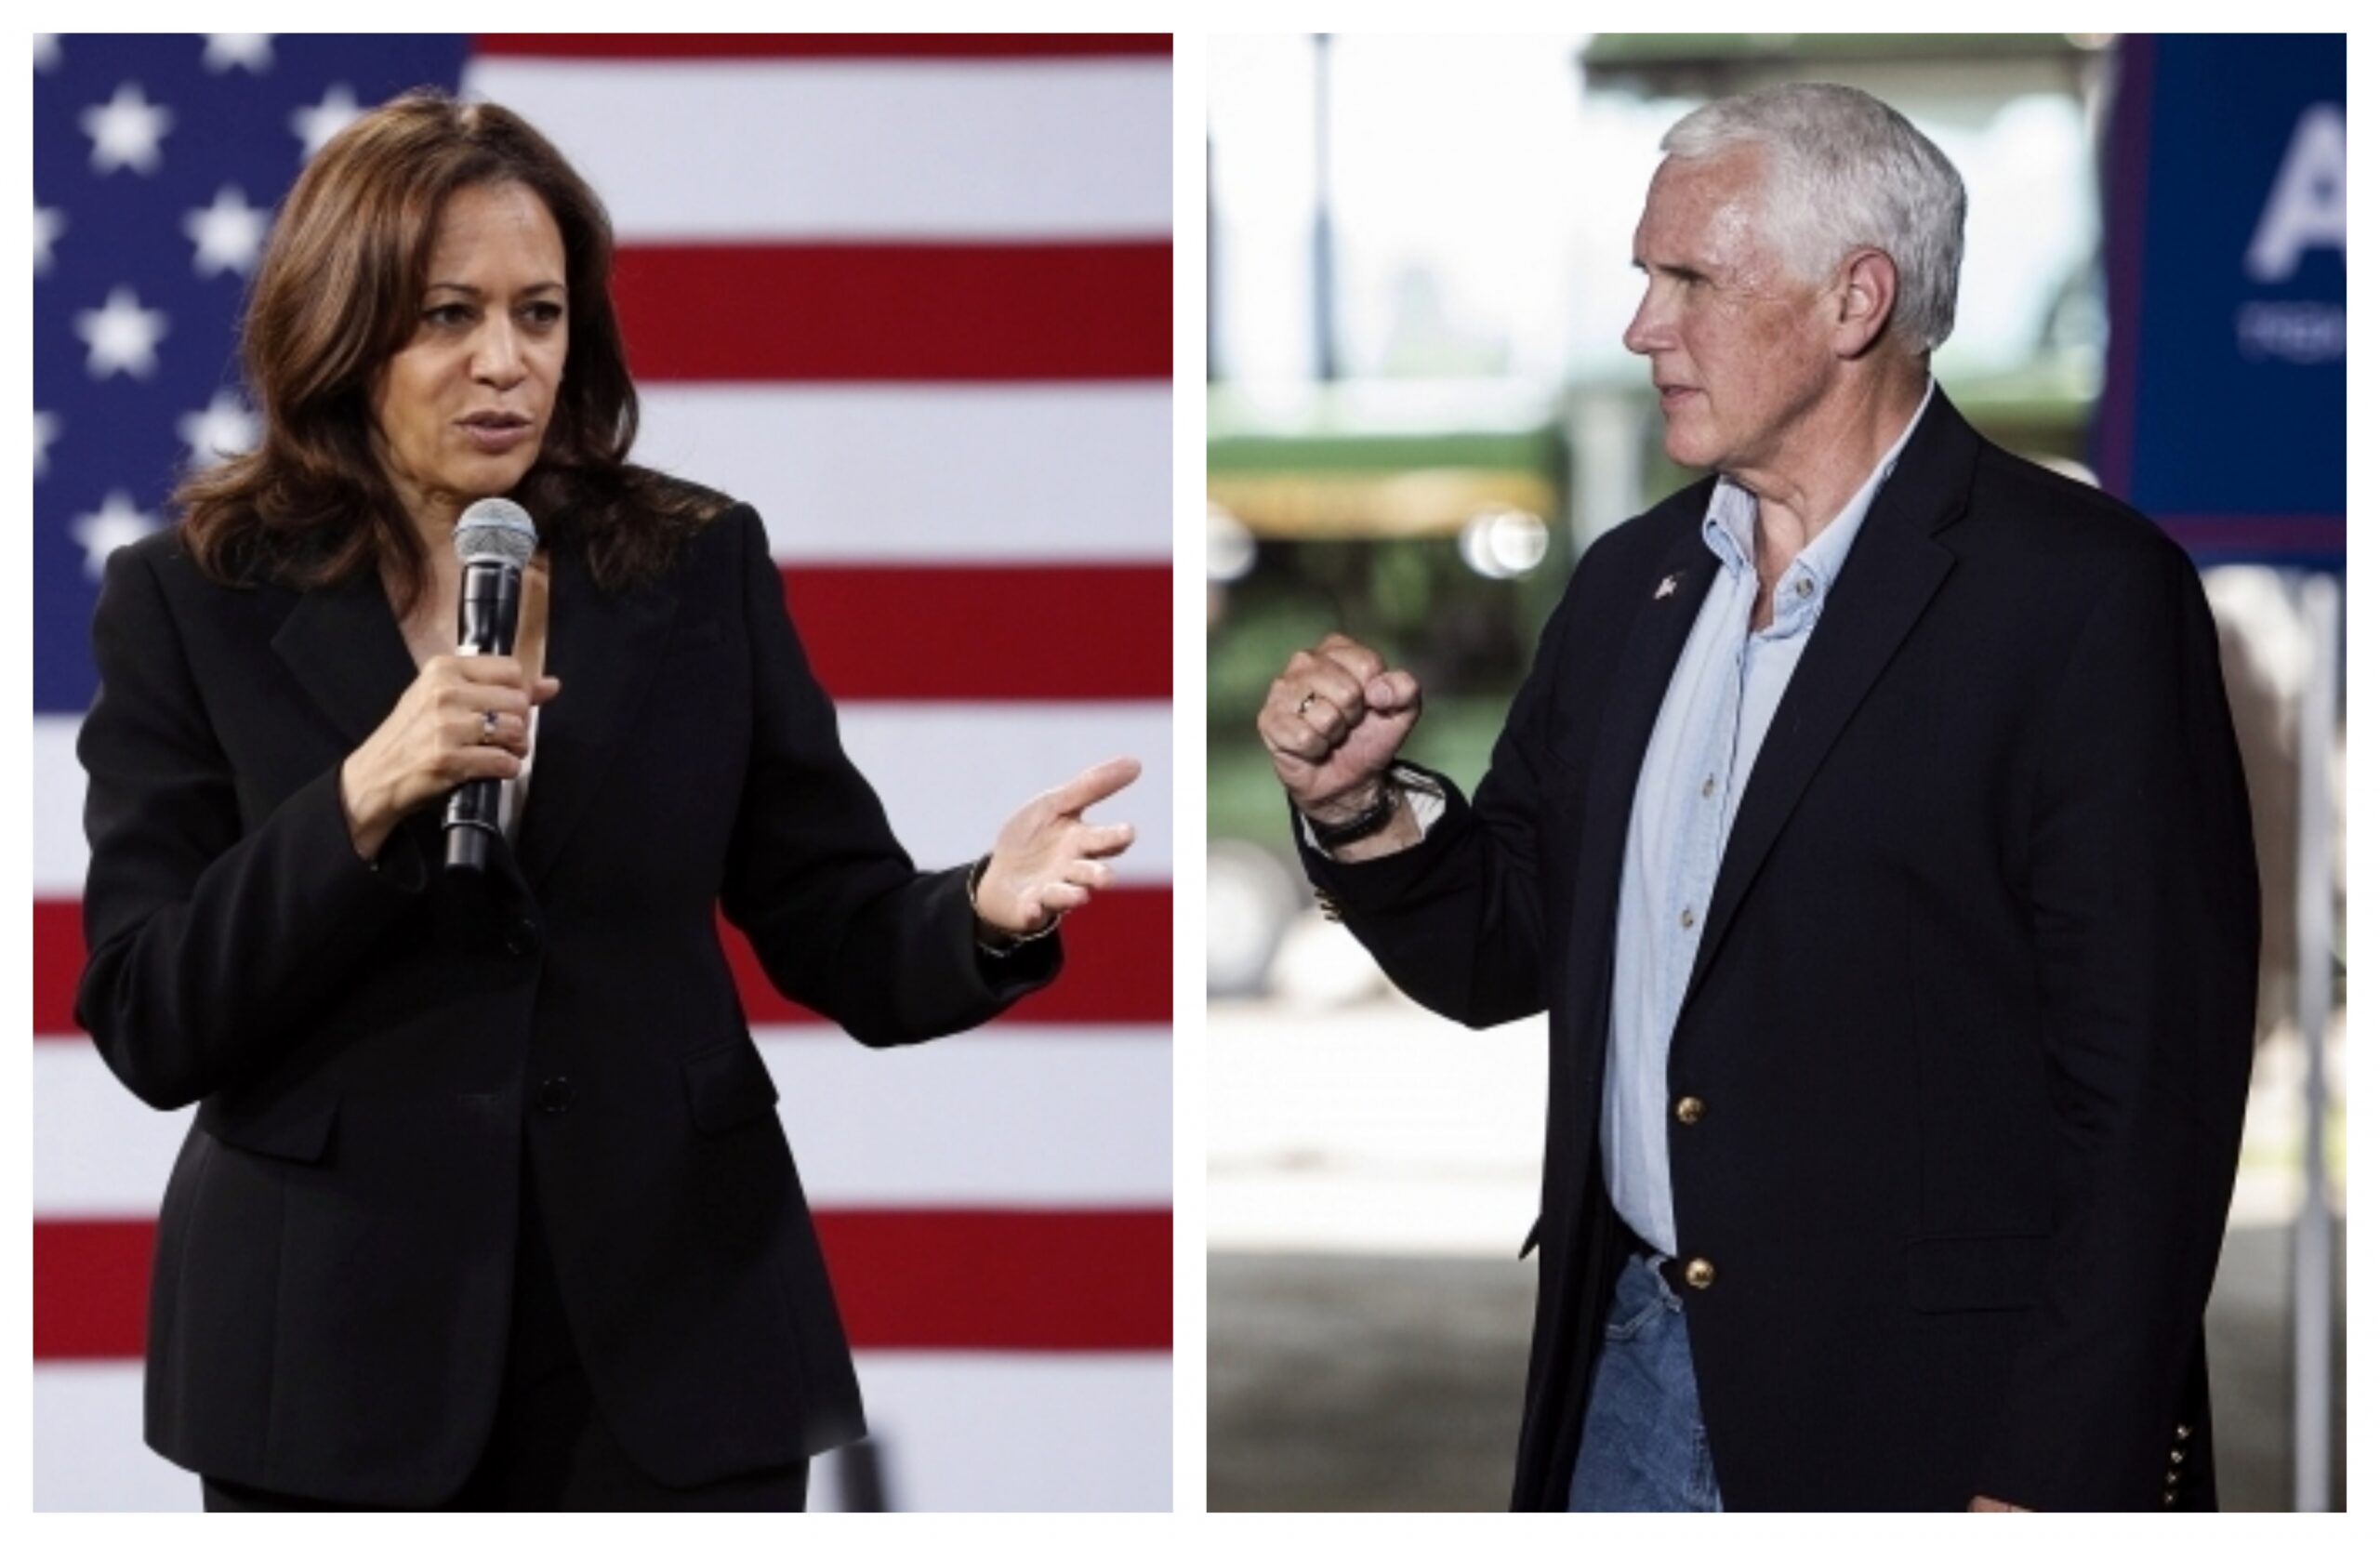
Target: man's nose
(1647,330)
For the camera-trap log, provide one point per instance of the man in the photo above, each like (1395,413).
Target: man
(1871,825)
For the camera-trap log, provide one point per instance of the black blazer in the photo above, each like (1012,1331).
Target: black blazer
(372,1048)
(1972,1017)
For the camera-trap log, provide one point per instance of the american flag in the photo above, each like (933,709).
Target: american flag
(912,297)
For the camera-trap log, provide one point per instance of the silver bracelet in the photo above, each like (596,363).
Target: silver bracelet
(975,873)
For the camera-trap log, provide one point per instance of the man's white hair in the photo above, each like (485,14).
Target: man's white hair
(1841,171)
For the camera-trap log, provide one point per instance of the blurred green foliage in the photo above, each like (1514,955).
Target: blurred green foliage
(1467,637)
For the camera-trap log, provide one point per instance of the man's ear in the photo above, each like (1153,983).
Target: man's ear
(1864,300)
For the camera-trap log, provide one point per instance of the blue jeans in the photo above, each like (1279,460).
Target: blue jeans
(1643,1449)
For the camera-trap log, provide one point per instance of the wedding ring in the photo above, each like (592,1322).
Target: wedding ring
(487,727)
(1303,704)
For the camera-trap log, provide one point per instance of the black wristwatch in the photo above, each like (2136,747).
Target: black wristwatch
(1339,834)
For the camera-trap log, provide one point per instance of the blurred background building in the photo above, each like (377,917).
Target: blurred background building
(912,297)
(1420,413)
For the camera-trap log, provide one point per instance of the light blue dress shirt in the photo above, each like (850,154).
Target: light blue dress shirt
(1721,699)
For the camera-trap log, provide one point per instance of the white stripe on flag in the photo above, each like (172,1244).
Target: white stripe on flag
(946,474)
(949,774)
(740,149)
(952,1432)
(981,1431)
(1019,1118)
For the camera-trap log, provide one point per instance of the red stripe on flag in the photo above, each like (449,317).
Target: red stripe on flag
(1119,954)
(1010,1281)
(708,45)
(1119,971)
(1060,632)
(1015,1281)
(1011,311)
(91,1287)
(58,964)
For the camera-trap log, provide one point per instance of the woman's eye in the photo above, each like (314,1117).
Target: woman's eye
(545,313)
(447,316)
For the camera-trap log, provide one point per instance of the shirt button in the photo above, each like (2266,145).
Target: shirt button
(1802,587)
(1689,1110)
(1710,786)
(1686,919)
(1701,1273)
(554,1096)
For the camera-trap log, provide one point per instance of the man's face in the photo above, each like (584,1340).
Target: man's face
(1739,344)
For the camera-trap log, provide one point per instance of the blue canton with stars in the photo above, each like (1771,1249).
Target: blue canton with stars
(157,163)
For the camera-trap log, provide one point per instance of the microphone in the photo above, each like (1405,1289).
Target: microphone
(495,539)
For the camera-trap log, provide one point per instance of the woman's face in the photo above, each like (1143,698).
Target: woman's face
(460,412)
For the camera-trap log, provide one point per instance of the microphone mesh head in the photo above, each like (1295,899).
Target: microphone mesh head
(495,529)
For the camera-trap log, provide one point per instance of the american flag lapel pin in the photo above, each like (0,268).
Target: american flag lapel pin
(1668,587)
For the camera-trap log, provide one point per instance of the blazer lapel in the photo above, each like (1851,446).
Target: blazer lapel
(1670,599)
(1891,572)
(606,647)
(342,644)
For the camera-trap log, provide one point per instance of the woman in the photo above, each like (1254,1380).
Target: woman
(485,1204)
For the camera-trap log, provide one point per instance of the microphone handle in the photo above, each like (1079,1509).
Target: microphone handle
(489,616)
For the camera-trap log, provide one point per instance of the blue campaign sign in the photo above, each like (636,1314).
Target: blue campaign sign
(2225,415)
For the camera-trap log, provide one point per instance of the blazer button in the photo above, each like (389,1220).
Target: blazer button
(554,1096)
(2175,1456)
(1701,1273)
(1689,1109)
(2183,1433)
(519,937)
(2169,1499)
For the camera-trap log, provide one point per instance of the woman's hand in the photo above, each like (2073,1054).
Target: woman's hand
(438,736)
(1047,860)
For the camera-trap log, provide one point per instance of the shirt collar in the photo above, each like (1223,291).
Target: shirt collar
(1727,529)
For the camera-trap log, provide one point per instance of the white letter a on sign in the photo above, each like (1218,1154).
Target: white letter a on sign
(2308,206)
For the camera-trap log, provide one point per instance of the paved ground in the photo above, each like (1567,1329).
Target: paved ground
(1352,1382)
(1370,1172)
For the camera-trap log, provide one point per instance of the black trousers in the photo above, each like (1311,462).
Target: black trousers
(550,1448)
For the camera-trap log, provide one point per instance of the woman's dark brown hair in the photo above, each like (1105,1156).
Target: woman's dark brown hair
(339,293)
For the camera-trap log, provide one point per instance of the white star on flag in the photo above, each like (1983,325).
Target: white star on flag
(226,429)
(123,334)
(248,51)
(316,124)
(102,531)
(125,130)
(45,50)
(46,428)
(228,232)
(48,224)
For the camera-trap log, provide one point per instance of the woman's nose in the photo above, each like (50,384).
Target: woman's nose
(497,359)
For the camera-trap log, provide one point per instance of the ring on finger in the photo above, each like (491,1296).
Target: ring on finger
(1303,704)
(487,726)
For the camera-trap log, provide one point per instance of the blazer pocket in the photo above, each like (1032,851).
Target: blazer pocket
(1976,1271)
(728,1084)
(296,1126)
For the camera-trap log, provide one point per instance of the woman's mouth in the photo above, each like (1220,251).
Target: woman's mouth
(495,433)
